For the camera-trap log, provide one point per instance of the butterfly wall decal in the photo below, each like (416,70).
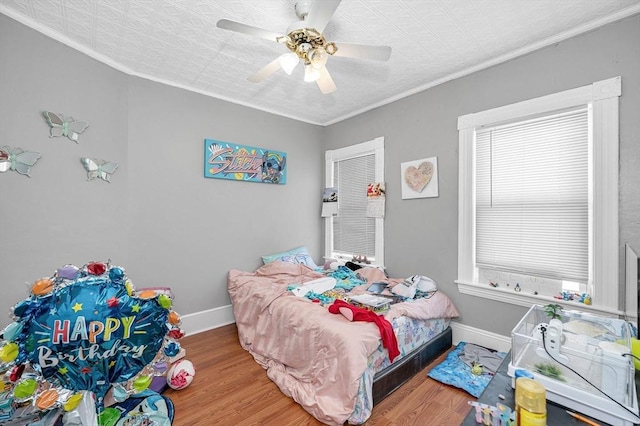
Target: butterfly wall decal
(64,126)
(98,168)
(17,159)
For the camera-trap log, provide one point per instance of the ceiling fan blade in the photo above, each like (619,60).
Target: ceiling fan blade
(325,82)
(265,72)
(362,51)
(320,13)
(226,24)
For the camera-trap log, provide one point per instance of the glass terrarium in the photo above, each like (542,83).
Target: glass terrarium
(583,360)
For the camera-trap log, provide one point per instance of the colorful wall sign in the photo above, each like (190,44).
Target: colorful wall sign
(224,160)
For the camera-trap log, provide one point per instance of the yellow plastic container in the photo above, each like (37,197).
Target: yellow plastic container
(635,350)
(531,403)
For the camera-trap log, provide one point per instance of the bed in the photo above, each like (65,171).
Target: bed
(335,369)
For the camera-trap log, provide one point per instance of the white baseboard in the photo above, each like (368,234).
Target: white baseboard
(465,333)
(217,317)
(207,320)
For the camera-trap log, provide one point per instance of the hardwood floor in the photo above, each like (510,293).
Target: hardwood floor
(230,388)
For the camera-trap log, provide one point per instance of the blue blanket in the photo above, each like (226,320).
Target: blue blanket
(452,371)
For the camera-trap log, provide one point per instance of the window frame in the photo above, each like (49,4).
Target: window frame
(603,258)
(375,147)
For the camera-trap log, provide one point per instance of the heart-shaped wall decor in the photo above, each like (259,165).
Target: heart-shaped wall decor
(418,178)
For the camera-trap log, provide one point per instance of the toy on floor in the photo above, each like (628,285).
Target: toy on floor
(180,375)
(456,369)
(489,415)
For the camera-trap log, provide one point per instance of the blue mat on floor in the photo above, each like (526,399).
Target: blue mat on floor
(453,371)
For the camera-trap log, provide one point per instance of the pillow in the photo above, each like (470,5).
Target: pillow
(296,255)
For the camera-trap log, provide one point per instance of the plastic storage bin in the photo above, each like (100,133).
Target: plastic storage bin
(579,348)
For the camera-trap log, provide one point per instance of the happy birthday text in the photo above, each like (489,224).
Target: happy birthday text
(63,333)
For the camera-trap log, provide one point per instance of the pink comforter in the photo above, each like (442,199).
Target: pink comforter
(314,357)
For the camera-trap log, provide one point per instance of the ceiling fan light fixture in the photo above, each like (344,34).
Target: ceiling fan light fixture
(288,62)
(306,44)
(318,57)
(302,49)
(310,73)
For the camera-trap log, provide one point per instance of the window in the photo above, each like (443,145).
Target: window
(538,198)
(351,232)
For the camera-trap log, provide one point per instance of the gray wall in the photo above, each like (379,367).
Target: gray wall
(421,235)
(159,218)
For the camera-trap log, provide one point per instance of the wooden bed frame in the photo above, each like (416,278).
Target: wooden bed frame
(390,379)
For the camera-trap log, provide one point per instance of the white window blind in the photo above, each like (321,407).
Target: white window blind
(532,196)
(353,232)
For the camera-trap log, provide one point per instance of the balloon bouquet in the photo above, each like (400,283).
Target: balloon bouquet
(85,339)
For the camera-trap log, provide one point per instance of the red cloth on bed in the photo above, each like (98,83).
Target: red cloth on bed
(360,314)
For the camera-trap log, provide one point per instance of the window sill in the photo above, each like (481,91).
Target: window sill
(527,299)
(368,265)
(344,259)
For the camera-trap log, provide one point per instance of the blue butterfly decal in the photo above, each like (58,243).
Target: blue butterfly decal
(98,169)
(17,159)
(64,126)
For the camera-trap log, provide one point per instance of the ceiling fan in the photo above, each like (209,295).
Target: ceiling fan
(307,44)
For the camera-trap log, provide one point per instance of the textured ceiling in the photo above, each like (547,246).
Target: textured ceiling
(177,42)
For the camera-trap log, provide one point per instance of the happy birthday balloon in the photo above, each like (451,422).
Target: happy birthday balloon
(85,329)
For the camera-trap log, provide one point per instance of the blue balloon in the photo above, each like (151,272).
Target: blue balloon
(90,333)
